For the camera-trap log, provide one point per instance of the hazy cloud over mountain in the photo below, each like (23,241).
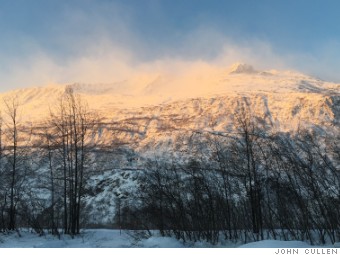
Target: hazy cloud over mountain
(103,41)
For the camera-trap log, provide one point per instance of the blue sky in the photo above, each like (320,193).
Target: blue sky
(61,41)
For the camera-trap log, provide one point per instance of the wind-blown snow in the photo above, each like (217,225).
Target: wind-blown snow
(156,89)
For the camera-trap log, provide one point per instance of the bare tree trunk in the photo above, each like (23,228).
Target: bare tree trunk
(12,112)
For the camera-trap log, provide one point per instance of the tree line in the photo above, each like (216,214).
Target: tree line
(251,185)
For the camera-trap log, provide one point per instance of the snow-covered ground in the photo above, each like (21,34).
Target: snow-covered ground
(89,239)
(99,238)
(104,238)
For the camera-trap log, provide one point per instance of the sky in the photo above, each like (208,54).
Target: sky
(64,41)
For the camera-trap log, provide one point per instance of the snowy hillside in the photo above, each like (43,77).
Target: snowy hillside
(153,112)
(277,89)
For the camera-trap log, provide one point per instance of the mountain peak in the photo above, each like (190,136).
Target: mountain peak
(243,68)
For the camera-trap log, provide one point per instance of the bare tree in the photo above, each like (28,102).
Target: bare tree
(246,146)
(3,190)
(11,110)
(72,125)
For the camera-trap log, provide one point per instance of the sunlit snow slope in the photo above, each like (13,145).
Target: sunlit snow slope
(286,99)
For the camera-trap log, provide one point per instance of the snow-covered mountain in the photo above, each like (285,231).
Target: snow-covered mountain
(153,115)
(286,99)
(153,112)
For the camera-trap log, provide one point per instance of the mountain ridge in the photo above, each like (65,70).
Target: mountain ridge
(289,95)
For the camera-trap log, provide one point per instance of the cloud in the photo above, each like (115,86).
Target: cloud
(79,41)
(105,62)
(100,57)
